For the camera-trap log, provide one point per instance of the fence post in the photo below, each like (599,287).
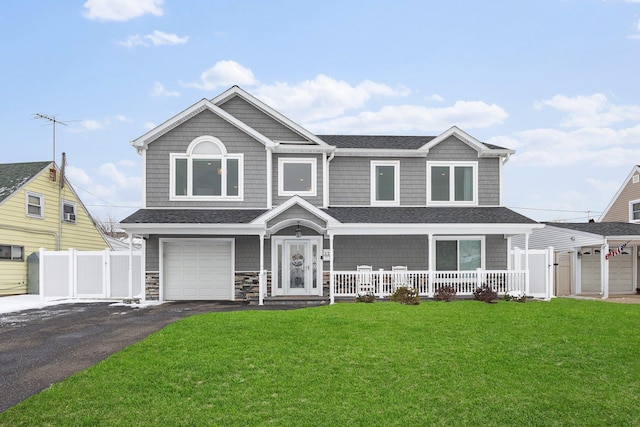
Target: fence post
(41,281)
(479,278)
(380,282)
(106,274)
(73,277)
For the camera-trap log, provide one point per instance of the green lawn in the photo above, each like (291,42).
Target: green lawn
(565,362)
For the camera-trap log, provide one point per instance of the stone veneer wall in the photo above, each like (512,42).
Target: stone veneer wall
(152,285)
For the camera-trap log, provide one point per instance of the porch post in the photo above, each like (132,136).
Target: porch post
(261,284)
(604,270)
(526,263)
(130,267)
(332,296)
(430,257)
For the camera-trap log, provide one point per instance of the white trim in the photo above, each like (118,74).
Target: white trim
(396,182)
(482,240)
(269,178)
(452,187)
(41,205)
(482,149)
(141,143)
(295,200)
(279,240)
(163,240)
(282,161)
(144,179)
(207,138)
(379,152)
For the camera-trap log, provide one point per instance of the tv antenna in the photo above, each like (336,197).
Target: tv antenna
(55,121)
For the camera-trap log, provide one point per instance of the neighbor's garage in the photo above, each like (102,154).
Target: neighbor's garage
(198,269)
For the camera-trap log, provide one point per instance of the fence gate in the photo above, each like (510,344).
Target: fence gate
(541,274)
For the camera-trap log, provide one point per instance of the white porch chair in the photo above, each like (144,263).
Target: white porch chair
(364,279)
(400,277)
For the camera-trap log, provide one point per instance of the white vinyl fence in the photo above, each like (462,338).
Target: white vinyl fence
(91,274)
(541,269)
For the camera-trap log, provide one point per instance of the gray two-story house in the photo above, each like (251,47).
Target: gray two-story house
(239,201)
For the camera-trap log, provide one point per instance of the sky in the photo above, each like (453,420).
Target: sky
(555,80)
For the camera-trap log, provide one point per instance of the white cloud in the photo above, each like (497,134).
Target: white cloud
(435,97)
(590,146)
(121,10)
(405,119)
(157,38)
(591,110)
(159,90)
(91,125)
(222,74)
(149,125)
(322,97)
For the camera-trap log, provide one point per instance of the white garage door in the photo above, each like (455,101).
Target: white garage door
(198,270)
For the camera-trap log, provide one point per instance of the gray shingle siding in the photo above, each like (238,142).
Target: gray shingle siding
(177,141)
(266,125)
(380,252)
(496,256)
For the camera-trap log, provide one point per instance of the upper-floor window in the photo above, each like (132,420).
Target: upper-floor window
(206,172)
(296,176)
(459,253)
(12,252)
(634,210)
(35,205)
(385,182)
(452,183)
(68,211)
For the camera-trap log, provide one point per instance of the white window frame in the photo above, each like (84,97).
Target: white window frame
(396,182)
(631,203)
(452,188)
(11,250)
(292,160)
(190,157)
(483,252)
(26,202)
(74,214)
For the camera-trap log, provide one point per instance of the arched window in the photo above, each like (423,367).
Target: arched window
(206,172)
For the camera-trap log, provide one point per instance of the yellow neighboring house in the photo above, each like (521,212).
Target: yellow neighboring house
(37,212)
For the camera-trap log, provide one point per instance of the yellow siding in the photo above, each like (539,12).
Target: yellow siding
(16,228)
(619,210)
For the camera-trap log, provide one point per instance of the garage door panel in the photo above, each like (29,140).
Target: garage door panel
(198,270)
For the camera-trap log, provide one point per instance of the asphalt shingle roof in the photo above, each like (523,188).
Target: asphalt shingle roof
(15,175)
(601,228)
(383,141)
(193,216)
(354,215)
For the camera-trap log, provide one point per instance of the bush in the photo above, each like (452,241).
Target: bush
(518,296)
(366,297)
(405,295)
(445,293)
(485,293)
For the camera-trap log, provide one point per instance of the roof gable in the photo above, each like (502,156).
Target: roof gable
(483,149)
(279,117)
(635,170)
(142,142)
(14,176)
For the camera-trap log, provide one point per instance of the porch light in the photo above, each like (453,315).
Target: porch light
(298,232)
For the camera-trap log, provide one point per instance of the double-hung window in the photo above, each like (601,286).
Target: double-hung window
(459,253)
(11,252)
(35,205)
(634,211)
(297,176)
(452,183)
(206,172)
(385,183)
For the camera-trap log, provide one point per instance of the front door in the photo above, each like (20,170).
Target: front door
(297,273)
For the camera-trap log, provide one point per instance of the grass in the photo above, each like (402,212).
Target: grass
(565,362)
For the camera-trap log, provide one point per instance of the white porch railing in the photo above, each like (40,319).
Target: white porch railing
(384,282)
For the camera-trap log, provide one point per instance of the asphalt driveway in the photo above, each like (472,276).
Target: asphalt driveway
(42,346)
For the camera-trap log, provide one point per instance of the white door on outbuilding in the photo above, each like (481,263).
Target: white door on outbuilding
(197,269)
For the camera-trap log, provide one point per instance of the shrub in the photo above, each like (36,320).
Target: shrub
(513,295)
(485,293)
(366,297)
(445,293)
(405,295)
